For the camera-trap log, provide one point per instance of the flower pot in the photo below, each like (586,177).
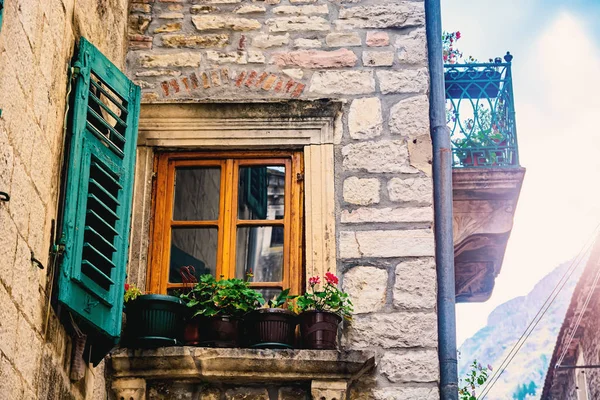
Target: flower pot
(154,320)
(192,330)
(220,331)
(319,329)
(472,84)
(271,328)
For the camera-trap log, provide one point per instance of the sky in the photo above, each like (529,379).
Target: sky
(556,80)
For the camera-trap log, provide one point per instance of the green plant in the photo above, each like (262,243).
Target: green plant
(131,292)
(330,298)
(476,377)
(211,298)
(280,300)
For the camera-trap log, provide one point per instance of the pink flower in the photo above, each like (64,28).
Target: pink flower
(489,367)
(315,280)
(331,278)
(458,35)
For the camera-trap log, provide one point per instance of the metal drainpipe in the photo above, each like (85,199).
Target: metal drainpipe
(442,196)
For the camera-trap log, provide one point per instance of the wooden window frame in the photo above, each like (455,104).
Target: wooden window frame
(227,223)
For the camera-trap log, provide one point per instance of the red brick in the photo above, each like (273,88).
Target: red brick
(165,88)
(225,75)
(205,80)
(240,79)
(269,82)
(215,77)
(194,79)
(251,78)
(261,79)
(289,85)
(378,39)
(298,91)
(186,83)
(279,85)
(175,85)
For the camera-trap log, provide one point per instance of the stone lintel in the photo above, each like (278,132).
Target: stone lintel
(240,365)
(484,203)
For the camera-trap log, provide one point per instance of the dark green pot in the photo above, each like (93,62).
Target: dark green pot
(154,320)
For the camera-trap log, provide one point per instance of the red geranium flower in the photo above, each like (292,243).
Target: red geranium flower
(331,278)
(315,280)
(126,286)
(458,34)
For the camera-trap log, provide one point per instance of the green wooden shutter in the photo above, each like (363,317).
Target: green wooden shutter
(1,12)
(98,192)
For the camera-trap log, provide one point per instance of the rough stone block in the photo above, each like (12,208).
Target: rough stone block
(367,287)
(250,9)
(410,366)
(238,57)
(388,215)
(410,117)
(138,24)
(10,384)
(377,156)
(342,82)
(407,392)
(403,81)
(27,358)
(342,39)
(363,192)
(301,10)
(402,14)
(294,73)
(297,24)
(264,41)
(8,248)
(170,27)
(378,39)
(412,48)
(211,22)
(378,58)
(316,58)
(386,244)
(171,15)
(411,190)
(186,59)
(307,43)
(393,330)
(8,324)
(204,9)
(415,286)
(256,57)
(217,1)
(196,41)
(246,393)
(364,118)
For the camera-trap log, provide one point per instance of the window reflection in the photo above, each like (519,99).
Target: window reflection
(197,192)
(261,192)
(192,247)
(255,254)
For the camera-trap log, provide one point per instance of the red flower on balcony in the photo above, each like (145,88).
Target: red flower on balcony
(331,278)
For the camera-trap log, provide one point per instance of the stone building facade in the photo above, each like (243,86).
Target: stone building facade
(344,82)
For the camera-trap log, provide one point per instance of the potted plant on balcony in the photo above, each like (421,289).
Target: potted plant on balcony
(220,306)
(474,81)
(272,325)
(321,312)
(153,320)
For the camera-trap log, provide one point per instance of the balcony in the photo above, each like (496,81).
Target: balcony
(487,176)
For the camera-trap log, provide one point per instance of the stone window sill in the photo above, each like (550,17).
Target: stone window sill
(329,372)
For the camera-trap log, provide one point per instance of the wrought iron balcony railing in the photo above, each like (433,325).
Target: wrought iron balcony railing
(480,113)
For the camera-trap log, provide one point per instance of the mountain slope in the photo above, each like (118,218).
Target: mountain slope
(524,377)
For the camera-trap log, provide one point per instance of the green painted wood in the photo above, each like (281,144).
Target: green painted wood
(1,12)
(99,190)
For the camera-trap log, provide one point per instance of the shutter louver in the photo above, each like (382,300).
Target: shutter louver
(97,211)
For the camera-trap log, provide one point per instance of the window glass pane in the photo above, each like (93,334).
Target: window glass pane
(197,194)
(255,253)
(261,192)
(269,293)
(195,247)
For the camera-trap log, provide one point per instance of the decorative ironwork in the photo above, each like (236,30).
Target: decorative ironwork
(480,113)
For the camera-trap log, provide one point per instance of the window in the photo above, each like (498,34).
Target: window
(228,214)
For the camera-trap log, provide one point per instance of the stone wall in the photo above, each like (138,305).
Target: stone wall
(36,45)
(371,54)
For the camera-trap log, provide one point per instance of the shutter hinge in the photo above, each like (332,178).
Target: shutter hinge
(299,177)
(59,248)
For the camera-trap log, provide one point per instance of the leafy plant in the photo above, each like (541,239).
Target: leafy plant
(233,297)
(131,292)
(476,377)
(329,298)
(280,300)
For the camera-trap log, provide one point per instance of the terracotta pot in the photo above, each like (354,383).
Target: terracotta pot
(272,328)
(192,330)
(318,329)
(220,331)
